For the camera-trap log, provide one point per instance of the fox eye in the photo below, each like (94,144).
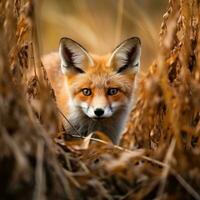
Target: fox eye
(86,91)
(112,91)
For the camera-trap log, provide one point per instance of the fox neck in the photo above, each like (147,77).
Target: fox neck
(111,126)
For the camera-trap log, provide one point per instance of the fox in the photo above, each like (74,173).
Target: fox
(94,92)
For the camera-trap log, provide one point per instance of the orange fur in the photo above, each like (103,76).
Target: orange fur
(99,78)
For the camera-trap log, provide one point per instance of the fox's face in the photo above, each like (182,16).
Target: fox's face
(100,86)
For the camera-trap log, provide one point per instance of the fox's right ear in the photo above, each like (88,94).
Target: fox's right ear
(73,56)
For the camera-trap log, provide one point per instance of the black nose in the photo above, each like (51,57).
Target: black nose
(99,112)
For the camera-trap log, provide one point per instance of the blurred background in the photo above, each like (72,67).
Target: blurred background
(100,25)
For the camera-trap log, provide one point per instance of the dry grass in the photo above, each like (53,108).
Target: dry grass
(159,153)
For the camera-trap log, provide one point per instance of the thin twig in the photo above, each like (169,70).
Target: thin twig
(68,121)
(39,173)
(166,170)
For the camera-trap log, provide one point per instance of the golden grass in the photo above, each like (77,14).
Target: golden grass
(159,152)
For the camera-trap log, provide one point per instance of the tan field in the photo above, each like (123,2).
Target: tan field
(158,154)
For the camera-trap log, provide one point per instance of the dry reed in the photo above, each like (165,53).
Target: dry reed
(159,152)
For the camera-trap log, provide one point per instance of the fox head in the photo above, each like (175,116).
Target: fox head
(100,86)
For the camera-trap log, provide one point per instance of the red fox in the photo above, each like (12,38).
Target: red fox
(94,92)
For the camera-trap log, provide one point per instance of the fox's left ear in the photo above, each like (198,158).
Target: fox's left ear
(74,58)
(126,55)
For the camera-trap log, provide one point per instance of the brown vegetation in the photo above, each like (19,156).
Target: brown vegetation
(159,153)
